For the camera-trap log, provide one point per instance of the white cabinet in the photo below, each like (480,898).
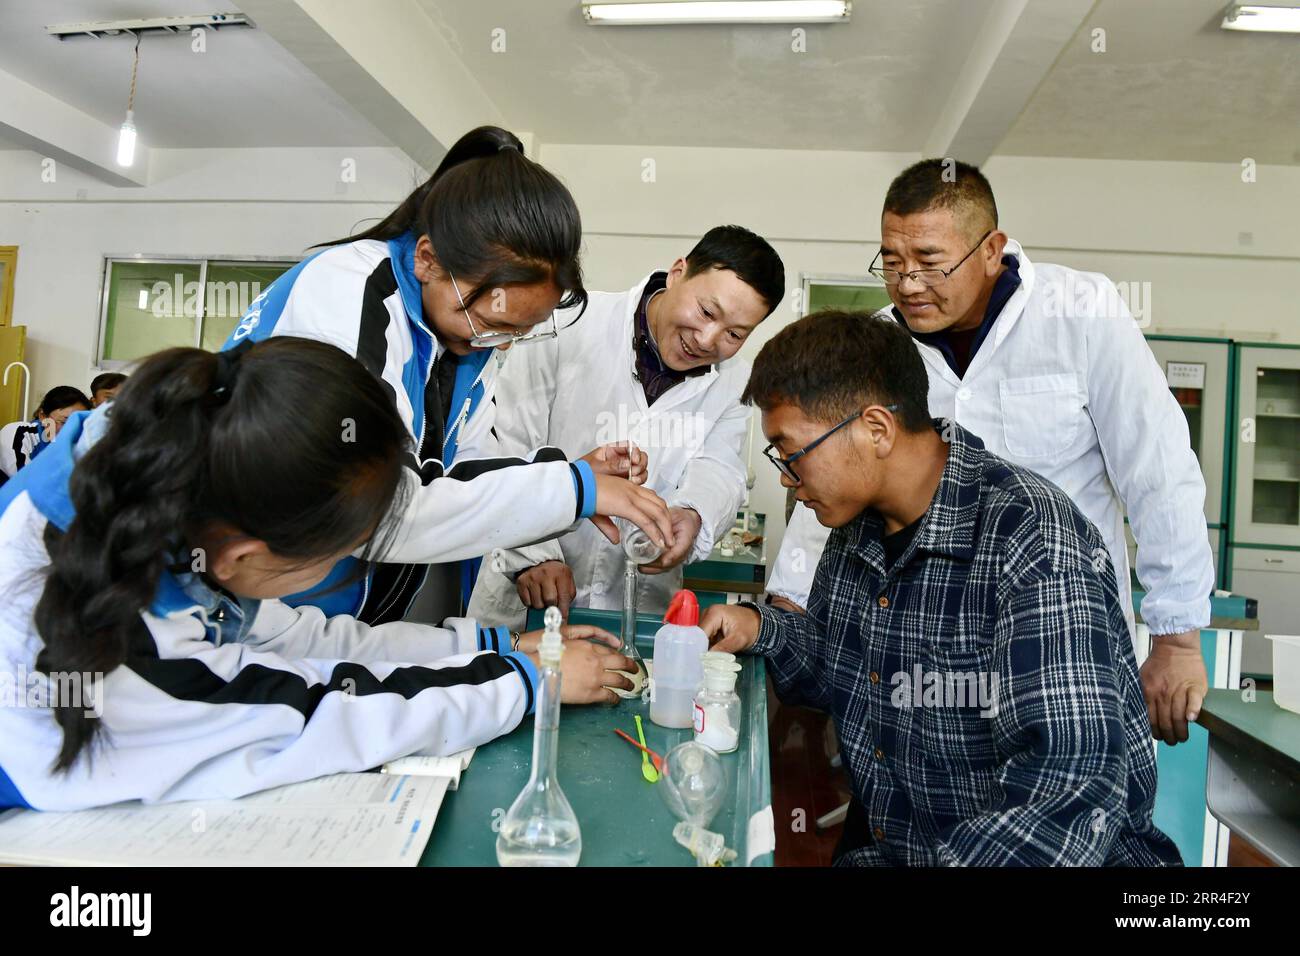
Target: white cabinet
(1272,577)
(1267,509)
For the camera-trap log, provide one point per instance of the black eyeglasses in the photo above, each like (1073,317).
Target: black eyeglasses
(927,277)
(786,465)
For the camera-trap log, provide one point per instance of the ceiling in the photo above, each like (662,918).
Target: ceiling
(1171,85)
(244,91)
(875,83)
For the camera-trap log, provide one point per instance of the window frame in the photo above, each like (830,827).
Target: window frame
(808,279)
(100,363)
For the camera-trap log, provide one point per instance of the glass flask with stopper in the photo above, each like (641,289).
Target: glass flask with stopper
(540,828)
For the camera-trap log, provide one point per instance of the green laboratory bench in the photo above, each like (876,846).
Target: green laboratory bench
(624,820)
(1252,782)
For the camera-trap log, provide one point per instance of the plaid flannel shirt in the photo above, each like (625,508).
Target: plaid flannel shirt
(983,688)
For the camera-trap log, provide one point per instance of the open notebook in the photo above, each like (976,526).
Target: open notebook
(348,819)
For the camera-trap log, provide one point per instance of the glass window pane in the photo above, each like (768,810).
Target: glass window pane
(1277,447)
(854,298)
(232,287)
(151,306)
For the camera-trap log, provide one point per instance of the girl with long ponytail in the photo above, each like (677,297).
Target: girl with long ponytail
(475,260)
(144,553)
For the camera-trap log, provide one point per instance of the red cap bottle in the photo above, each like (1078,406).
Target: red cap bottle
(683,609)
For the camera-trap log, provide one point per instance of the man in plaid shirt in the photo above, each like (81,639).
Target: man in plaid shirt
(963,628)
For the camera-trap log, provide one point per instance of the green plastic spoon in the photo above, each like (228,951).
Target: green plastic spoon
(647,768)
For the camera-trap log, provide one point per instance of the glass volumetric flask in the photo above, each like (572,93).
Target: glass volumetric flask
(540,828)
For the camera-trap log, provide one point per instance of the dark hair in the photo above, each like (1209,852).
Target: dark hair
(106,380)
(746,254)
(61,396)
(833,363)
(292,442)
(944,184)
(493,214)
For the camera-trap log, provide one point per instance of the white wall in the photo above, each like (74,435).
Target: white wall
(233,203)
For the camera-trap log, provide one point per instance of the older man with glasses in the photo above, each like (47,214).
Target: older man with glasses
(1047,366)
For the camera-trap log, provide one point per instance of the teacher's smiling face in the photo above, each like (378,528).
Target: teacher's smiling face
(515,309)
(703,318)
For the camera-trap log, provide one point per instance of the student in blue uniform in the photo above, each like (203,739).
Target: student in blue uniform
(20,442)
(476,259)
(143,651)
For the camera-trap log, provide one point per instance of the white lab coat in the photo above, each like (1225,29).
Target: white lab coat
(1066,385)
(577,391)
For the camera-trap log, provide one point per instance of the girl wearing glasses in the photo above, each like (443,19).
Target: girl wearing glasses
(475,260)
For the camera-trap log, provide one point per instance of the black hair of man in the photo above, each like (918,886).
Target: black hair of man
(945,184)
(745,253)
(105,381)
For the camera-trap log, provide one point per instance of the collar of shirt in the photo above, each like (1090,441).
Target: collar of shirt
(655,377)
(949,523)
(1003,289)
(228,615)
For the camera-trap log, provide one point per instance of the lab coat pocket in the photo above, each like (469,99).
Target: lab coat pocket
(1040,415)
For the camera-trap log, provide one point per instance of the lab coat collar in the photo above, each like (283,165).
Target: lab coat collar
(1015,307)
(1006,320)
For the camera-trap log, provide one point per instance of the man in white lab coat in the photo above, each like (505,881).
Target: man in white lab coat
(1048,367)
(654,365)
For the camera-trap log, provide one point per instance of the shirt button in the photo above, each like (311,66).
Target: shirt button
(875,678)
(879,834)
(963,393)
(882,601)
(880,754)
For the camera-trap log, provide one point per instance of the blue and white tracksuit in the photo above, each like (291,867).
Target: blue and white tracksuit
(465,500)
(219,698)
(20,442)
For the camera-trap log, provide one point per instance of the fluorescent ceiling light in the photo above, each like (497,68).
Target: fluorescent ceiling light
(1261,19)
(717,11)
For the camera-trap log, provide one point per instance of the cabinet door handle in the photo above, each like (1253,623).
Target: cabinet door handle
(1272,560)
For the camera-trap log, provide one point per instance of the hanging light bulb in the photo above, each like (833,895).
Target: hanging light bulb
(126,141)
(126,137)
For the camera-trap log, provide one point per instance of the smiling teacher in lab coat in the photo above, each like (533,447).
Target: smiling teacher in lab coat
(654,365)
(1048,367)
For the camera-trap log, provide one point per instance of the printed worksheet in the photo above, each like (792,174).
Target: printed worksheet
(353,819)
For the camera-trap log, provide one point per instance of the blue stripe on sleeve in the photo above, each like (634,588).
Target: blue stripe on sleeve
(524,665)
(584,486)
